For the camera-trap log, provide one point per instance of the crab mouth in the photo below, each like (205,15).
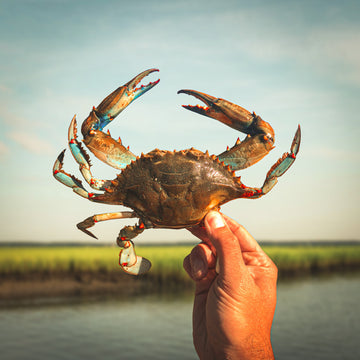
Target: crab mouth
(209,100)
(137,91)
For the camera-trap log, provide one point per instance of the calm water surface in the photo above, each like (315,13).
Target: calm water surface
(315,319)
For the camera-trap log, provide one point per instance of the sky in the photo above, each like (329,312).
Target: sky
(292,62)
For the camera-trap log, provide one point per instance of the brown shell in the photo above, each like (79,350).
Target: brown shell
(174,189)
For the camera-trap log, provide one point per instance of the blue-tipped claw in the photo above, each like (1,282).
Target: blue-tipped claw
(119,99)
(102,145)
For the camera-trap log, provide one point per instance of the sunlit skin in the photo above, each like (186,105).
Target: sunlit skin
(235,299)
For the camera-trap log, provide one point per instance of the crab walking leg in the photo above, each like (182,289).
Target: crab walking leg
(277,170)
(92,220)
(128,260)
(67,179)
(82,158)
(74,183)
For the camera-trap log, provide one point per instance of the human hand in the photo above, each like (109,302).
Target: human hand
(234,305)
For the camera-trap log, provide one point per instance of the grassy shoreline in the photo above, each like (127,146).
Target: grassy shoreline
(62,271)
(24,260)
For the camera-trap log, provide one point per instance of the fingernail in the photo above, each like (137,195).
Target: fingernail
(215,220)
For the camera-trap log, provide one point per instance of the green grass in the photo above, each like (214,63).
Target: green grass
(166,260)
(52,259)
(297,259)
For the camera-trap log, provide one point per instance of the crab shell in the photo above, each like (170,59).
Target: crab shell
(174,189)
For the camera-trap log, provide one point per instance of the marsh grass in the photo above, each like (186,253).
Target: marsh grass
(167,260)
(292,260)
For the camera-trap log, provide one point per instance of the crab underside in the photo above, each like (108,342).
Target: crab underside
(167,189)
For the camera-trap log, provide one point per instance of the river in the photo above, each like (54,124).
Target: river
(316,318)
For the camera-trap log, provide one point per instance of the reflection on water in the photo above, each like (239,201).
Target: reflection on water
(146,328)
(315,319)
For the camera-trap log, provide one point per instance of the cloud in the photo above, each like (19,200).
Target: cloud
(32,143)
(333,155)
(3,149)
(338,47)
(328,46)
(5,89)
(11,118)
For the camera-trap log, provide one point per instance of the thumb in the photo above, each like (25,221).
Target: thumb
(226,244)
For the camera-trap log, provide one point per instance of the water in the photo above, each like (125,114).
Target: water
(315,319)
(318,319)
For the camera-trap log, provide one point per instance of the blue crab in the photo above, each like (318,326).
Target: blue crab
(167,189)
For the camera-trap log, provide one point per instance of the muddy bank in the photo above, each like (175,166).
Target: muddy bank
(16,288)
(63,287)
(27,287)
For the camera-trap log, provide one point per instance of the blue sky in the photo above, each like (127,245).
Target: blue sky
(290,62)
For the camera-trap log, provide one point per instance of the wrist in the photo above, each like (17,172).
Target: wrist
(253,348)
(257,348)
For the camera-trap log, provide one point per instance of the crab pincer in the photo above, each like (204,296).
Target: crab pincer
(260,137)
(230,114)
(116,102)
(101,144)
(119,99)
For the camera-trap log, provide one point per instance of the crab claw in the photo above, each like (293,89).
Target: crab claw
(260,137)
(102,145)
(230,114)
(116,102)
